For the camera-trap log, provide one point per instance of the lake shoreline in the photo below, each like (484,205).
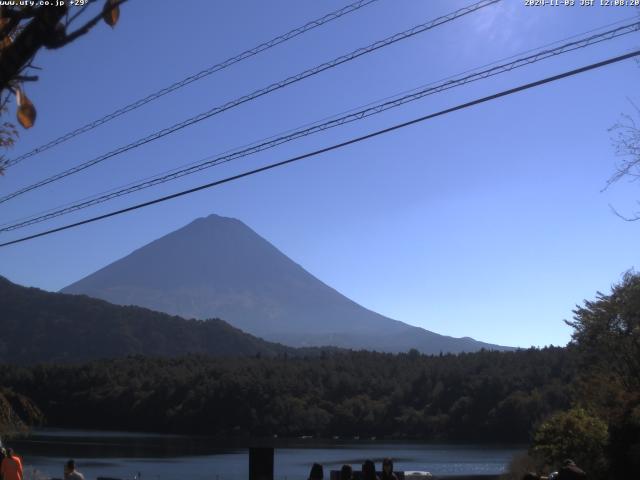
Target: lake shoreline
(168,457)
(274,442)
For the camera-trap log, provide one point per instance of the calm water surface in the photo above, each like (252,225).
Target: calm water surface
(169,457)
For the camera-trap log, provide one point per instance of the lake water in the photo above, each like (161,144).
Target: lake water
(169,457)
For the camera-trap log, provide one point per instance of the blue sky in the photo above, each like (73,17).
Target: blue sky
(489,222)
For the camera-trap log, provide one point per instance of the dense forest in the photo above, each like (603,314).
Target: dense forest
(39,326)
(490,396)
(581,401)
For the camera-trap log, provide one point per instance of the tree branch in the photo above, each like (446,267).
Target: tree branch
(635,218)
(36,33)
(11,24)
(20,14)
(27,78)
(79,12)
(86,28)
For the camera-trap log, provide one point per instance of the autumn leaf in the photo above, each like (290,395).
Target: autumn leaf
(26,111)
(6,40)
(111,12)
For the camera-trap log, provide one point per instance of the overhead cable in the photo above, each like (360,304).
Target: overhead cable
(352,141)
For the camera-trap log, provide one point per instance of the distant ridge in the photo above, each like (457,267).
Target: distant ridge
(39,326)
(218,267)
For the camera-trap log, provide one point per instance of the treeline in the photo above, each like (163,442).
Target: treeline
(483,396)
(580,402)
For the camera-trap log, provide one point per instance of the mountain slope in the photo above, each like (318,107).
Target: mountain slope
(219,267)
(39,326)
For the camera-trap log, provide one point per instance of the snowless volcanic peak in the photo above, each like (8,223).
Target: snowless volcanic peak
(218,267)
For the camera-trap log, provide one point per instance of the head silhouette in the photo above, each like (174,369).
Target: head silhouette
(368,470)
(316,473)
(346,472)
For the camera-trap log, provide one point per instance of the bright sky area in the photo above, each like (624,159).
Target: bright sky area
(490,222)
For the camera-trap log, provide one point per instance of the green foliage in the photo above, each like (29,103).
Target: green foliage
(607,334)
(606,338)
(521,465)
(574,434)
(237,384)
(472,397)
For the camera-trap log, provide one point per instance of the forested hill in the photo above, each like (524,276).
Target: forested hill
(483,396)
(581,401)
(39,326)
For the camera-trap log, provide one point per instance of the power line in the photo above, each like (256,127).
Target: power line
(350,110)
(193,78)
(351,117)
(368,136)
(258,93)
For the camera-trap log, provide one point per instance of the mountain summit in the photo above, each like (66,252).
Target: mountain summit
(217,267)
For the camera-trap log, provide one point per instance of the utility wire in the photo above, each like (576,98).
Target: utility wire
(353,109)
(337,146)
(258,93)
(351,117)
(193,78)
